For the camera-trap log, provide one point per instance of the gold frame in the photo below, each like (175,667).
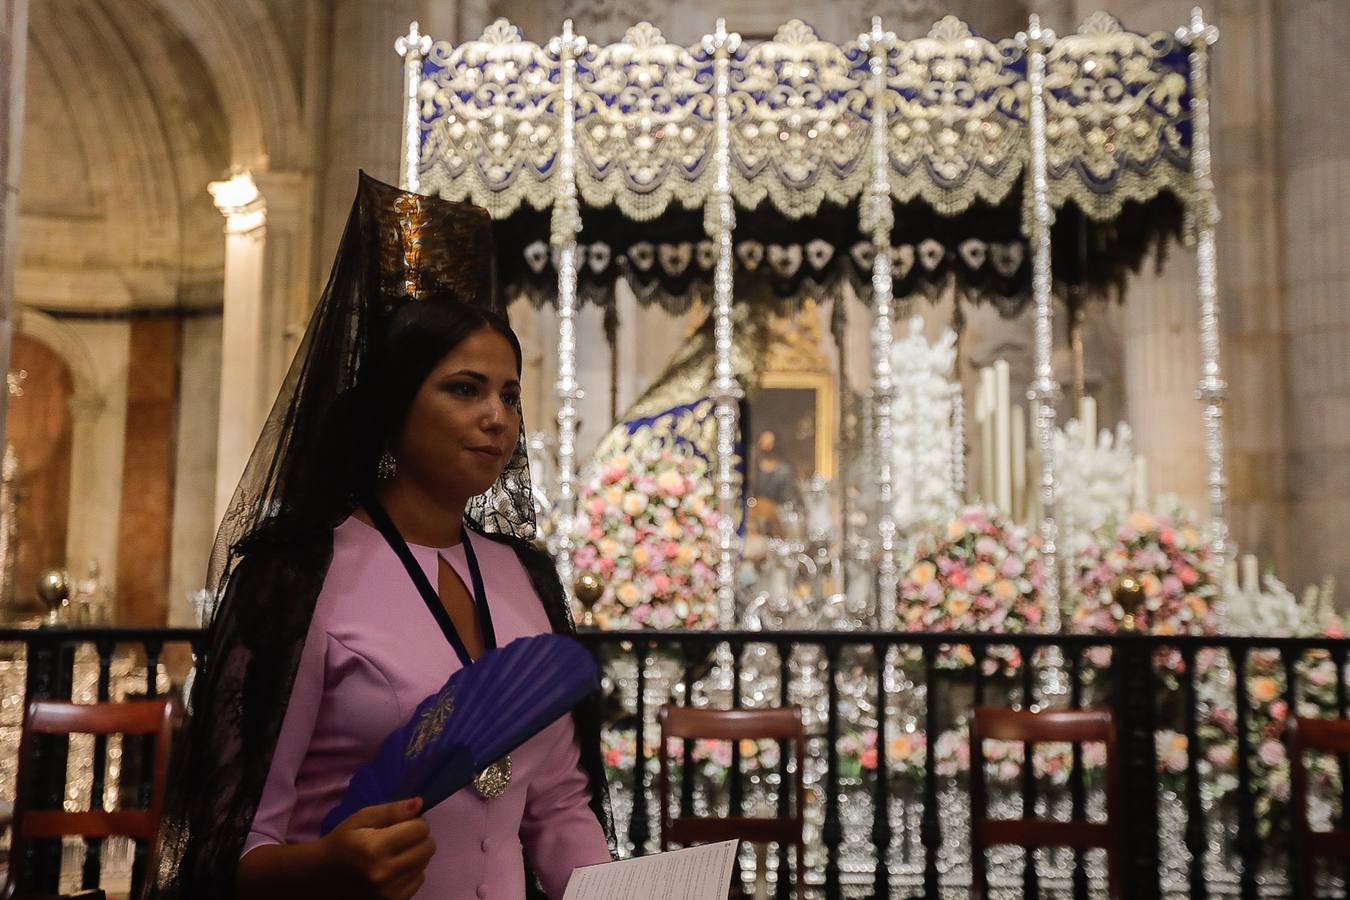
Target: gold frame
(823,385)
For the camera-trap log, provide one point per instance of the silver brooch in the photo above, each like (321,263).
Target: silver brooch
(492,782)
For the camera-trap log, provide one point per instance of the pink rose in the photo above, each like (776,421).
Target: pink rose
(1279,710)
(1221,756)
(1271,753)
(1187,575)
(1167,537)
(868,758)
(1012,567)
(661,584)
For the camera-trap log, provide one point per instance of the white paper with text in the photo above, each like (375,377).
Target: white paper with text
(694,873)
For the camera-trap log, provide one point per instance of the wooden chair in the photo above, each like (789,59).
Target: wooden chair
(1052,726)
(691,723)
(1321,736)
(49,717)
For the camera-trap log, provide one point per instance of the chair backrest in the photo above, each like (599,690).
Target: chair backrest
(695,723)
(1083,726)
(153,719)
(1319,736)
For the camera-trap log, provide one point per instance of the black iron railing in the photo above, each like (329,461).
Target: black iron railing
(1148,681)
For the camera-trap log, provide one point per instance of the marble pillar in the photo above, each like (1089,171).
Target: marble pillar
(244,360)
(290,271)
(13,59)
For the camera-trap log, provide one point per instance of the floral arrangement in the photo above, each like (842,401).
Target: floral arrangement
(711,759)
(647,526)
(1267,722)
(978,572)
(1095,474)
(907,754)
(1166,555)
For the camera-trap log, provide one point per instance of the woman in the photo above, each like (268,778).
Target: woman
(379,540)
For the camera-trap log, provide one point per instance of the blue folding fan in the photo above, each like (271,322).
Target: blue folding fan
(483,712)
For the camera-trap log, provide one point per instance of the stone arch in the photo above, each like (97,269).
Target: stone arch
(138,129)
(245,50)
(63,340)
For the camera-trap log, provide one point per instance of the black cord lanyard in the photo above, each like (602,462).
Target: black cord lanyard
(429,595)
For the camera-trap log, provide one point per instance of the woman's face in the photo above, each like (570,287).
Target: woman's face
(464,423)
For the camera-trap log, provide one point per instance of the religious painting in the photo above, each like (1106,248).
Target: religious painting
(790,427)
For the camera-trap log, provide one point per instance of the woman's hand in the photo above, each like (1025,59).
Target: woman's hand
(382,850)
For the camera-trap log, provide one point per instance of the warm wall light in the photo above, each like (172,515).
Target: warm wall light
(239,201)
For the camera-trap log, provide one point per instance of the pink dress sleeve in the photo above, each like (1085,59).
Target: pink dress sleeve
(558,829)
(271,822)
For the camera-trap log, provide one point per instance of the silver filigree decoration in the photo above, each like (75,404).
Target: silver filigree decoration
(877,219)
(1044,388)
(720,220)
(565,225)
(1212,390)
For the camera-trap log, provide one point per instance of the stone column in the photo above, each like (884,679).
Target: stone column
(1162,368)
(1312,128)
(97,447)
(288,283)
(244,366)
(194,484)
(1246,177)
(13,58)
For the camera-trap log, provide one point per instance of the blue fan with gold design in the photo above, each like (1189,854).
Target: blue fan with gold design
(464,732)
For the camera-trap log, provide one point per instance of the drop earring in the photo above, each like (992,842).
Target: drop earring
(387,467)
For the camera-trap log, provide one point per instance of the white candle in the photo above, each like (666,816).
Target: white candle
(1087,420)
(988,392)
(1251,578)
(1002,438)
(1034,511)
(1019,463)
(1140,483)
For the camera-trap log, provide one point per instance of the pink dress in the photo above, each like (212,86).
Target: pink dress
(375,651)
